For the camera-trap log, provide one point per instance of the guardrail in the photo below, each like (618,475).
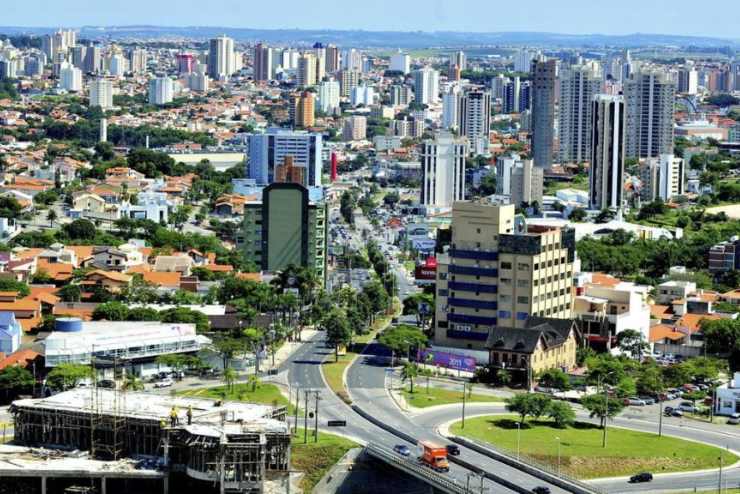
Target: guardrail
(437,480)
(530,466)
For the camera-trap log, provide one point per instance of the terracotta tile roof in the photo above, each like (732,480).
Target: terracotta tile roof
(732,294)
(57,270)
(220,268)
(604,279)
(84,314)
(664,331)
(708,296)
(111,275)
(692,322)
(660,311)
(81,251)
(139,268)
(30,324)
(21,358)
(21,305)
(166,279)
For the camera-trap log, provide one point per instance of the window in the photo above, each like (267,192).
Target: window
(443,275)
(504,314)
(505,265)
(477,230)
(521,316)
(442,292)
(522,300)
(505,281)
(522,283)
(522,266)
(504,298)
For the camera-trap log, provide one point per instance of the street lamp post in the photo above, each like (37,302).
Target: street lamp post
(558,440)
(518,438)
(462,426)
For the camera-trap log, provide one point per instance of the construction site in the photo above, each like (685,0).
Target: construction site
(164,441)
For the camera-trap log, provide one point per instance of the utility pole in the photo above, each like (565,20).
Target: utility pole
(606,413)
(297,404)
(719,480)
(305,418)
(316,419)
(463,407)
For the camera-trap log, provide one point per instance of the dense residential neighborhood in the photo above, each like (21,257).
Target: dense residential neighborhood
(267,261)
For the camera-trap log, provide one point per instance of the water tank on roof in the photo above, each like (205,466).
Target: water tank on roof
(68,324)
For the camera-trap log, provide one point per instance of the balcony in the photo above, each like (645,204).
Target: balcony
(467,335)
(472,287)
(473,304)
(474,254)
(473,271)
(466,319)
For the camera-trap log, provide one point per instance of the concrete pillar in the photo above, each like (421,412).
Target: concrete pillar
(166,485)
(103,486)
(43,485)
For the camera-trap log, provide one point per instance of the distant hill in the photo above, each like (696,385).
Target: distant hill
(389,39)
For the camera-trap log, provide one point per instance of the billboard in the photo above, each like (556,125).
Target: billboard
(448,360)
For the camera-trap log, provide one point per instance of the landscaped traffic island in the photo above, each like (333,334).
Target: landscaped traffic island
(258,392)
(627,452)
(423,398)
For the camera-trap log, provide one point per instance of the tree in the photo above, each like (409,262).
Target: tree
(338,331)
(403,338)
(561,413)
(408,373)
(14,380)
(650,380)
(605,216)
(601,407)
(632,342)
(230,378)
(554,378)
(11,285)
(51,216)
(111,311)
(70,293)
(133,383)
(503,376)
(528,404)
(723,336)
(578,214)
(80,229)
(228,348)
(66,376)
(186,316)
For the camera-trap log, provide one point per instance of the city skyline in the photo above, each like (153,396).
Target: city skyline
(577,17)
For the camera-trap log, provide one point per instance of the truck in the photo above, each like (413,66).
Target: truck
(434,456)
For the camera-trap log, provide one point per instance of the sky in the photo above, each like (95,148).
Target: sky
(684,17)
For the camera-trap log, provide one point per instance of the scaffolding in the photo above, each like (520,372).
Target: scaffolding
(107,423)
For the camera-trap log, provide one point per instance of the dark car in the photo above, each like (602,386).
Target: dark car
(541,490)
(668,411)
(402,449)
(641,477)
(453,450)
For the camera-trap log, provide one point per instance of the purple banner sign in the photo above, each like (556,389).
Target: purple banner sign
(448,360)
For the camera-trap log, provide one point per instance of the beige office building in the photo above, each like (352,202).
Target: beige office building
(499,272)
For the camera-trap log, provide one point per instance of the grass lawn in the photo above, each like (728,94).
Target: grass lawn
(266,393)
(627,452)
(441,396)
(334,372)
(552,186)
(316,458)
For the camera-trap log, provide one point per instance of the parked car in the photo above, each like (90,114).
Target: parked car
(734,419)
(687,406)
(641,477)
(164,383)
(634,401)
(668,411)
(402,450)
(453,450)
(648,400)
(676,413)
(541,490)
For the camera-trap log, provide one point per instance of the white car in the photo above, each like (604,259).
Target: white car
(164,383)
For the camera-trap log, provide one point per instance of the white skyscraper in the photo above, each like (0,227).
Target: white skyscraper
(650,97)
(221,57)
(70,77)
(329,96)
(137,60)
(426,86)
(443,170)
(523,60)
(451,108)
(362,95)
(400,62)
(262,62)
(352,60)
(161,90)
(474,119)
(101,93)
(306,73)
(117,66)
(578,86)
(606,181)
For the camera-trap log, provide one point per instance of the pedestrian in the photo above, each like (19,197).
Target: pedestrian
(173,416)
(190,414)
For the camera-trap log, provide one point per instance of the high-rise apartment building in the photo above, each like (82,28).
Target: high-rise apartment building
(77,56)
(221,60)
(451,108)
(161,90)
(649,97)
(70,77)
(578,86)
(332,59)
(117,65)
(401,95)
(354,128)
(352,60)
(349,80)
(137,59)
(93,60)
(302,110)
(400,62)
(606,181)
(688,80)
(527,183)
(262,62)
(287,227)
(265,151)
(443,170)
(101,93)
(523,60)
(185,63)
(500,272)
(329,96)
(459,60)
(426,86)
(662,178)
(306,73)
(474,119)
(544,75)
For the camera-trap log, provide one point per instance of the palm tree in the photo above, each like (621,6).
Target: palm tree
(230,378)
(51,216)
(253,381)
(409,372)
